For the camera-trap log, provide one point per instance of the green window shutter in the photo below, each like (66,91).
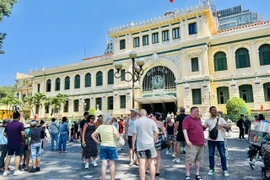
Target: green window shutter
(66,107)
(155,38)
(192,27)
(220,61)
(57,84)
(145,40)
(242,58)
(264,54)
(122,102)
(76,106)
(122,44)
(77,81)
(110,103)
(246,93)
(136,42)
(99,103)
(266,89)
(223,95)
(165,35)
(176,33)
(67,83)
(123,74)
(110,77)
(196,96)
(38,88)
(99,79)
(194,64)
(87,80)
(48,85)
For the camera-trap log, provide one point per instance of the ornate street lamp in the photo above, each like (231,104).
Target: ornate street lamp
(136,73)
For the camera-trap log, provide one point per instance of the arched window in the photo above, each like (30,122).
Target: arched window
(57,84)
(266,89)
(110,77)
(99,79)
(223,95)
(87,80)
(242,58)
(220,61)
(99,103)
(264,53)
(77,81)
(67,83)
(48,85)
(246,93)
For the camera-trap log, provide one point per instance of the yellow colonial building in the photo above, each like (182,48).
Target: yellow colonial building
(188,61)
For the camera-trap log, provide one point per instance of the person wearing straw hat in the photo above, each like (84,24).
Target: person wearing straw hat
(108,151)
(129,133)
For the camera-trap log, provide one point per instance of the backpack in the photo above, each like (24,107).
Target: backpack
(213,134)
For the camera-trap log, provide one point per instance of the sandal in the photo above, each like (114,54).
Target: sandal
(198,177)
(187,177)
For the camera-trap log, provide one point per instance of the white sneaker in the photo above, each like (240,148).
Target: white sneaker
(226,173)
(16,173)
(167,152)
(177,161)
(95,163)
(173,155)
(6,173)
(83,161)
(86,166)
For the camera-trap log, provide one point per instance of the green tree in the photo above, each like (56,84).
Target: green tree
(10,101)
(39,99)
(57,102)
(5,10)
(6,90)
(235,107)
(30,102)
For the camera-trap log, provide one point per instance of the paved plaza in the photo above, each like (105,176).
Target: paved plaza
(68,166)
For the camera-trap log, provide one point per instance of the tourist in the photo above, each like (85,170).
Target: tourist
(146,134)
(170,135)
(72,133)
(14,132)
(129,129)
(99,121)
(34,144)
(247,125)
(108,134)
(63,137)
(180,139)
(42,135)
(241,125)
(3,145)
(85,116)
(54,132)
(75,130)
(26,156)
(157,119)
(218,143)
(261,117)
(194,136)
(90,146)
(121,127)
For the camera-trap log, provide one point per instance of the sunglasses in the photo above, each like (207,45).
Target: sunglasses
(93,118)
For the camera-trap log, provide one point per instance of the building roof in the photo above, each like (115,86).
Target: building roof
(101,57)
(245,26)
(22,76)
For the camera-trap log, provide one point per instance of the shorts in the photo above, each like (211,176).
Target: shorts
(194,154)
(130,142)
(147,154)
(108,153)
(35,151)
(17,150)
(171,138)
(180,137)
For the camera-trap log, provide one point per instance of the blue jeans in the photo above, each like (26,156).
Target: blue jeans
(212,149)
(108,153)
(35,151)
(54,137)
(63,140)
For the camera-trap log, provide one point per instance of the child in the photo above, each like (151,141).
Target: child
(34,144)
(26,150)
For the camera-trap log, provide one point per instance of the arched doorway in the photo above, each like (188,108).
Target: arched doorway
(159,91)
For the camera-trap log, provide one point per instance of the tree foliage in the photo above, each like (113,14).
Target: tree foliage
(5,10)
(235,107)
(6,90)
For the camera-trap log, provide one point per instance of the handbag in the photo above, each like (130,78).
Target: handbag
(213,134)
(164,143)
(119,142)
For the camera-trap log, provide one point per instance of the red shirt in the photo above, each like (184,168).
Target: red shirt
(121,127)
(194,130)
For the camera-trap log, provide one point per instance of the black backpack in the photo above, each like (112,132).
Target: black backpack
(213,134)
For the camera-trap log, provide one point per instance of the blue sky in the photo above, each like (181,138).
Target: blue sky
(54,32)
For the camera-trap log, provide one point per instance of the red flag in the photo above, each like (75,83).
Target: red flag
(171,1)
(261,109)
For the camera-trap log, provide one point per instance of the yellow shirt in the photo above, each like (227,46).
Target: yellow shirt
(106,133)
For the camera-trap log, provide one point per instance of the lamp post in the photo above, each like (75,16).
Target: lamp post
(135,74)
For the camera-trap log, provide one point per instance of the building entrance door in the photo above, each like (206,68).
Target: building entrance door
(163,108)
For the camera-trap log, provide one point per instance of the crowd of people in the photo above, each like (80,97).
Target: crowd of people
(144,133)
